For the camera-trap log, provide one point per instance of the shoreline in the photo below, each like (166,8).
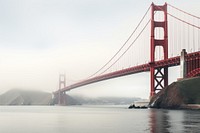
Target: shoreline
(190,106)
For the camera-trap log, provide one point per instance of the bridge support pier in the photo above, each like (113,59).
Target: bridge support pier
(60,98)
(183,64)
(159,79)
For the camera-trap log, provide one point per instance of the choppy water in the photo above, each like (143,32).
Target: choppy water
(96,119)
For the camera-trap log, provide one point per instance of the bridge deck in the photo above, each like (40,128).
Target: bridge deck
(174,61)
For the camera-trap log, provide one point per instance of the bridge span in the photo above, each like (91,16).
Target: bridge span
(174,61)
(163,41)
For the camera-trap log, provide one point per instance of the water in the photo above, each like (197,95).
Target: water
(96,119)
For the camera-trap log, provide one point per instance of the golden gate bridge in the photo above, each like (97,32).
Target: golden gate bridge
(154,45)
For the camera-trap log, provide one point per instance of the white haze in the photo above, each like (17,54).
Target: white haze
(41,38)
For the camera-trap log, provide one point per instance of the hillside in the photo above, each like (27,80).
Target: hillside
(31,97)
(24,97)
(180,94)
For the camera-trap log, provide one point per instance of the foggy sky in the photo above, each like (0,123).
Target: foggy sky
(41,38)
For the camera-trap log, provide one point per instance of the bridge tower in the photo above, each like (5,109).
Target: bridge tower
(62,84)
(159,76)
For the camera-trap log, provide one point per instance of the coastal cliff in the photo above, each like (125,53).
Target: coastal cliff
(183,94)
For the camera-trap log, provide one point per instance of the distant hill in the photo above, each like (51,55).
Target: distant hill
(25,97)
(32,97)
(105,100)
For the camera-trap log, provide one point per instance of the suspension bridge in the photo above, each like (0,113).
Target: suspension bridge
(166,36)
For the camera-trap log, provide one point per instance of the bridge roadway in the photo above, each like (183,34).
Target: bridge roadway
(170,62)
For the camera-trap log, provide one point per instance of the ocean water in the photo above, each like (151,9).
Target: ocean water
(96,119)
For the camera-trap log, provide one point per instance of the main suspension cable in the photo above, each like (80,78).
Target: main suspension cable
(122,45)
(183,11)
(127,48)
(183,21)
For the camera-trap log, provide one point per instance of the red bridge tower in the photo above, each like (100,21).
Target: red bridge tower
(62,84)
(159,76)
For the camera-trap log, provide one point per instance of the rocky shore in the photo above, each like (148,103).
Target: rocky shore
(183,94)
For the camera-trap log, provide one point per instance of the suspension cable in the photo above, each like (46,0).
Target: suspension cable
(184,11)
(122,45)
(127,48)
(183,21)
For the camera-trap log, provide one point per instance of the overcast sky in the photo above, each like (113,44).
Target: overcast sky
(41,38)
